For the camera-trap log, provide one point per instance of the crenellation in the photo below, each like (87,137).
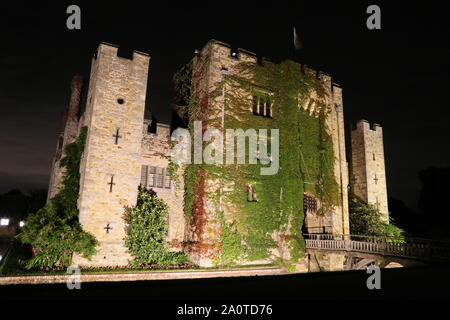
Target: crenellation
(368,173)
(109,170)
(122,152)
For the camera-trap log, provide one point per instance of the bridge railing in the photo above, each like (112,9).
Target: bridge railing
(410,247)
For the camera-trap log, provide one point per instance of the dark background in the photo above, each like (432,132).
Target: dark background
(397,76)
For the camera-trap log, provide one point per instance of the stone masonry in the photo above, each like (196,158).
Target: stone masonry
(68,132)
(156,153)
(220,56)
(124,150)
(111,163)
(367,169)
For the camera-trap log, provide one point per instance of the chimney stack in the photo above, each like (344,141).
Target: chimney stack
(75,86)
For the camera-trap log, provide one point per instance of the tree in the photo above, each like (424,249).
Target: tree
(54,231)
(366,219)
(147,230)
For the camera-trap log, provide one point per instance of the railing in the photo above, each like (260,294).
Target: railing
(414,248)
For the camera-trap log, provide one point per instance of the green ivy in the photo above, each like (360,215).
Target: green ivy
(232,249)
(54,231)
(147,231)
(306,158)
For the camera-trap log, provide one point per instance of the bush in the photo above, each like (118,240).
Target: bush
(54,231)
(366,219)
(147,230)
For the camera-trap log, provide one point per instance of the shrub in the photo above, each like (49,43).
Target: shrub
(366,219)
(147,230)
(54,231)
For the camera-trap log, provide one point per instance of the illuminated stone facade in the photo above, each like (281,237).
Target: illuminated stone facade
(124,150)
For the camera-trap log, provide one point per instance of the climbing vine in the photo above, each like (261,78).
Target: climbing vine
(248,228)
(54,231)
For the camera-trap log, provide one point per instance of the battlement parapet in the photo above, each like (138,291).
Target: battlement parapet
(364,125)
(158,129)
(232,55)
(115,51)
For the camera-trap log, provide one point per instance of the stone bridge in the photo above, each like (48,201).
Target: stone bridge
(362,251)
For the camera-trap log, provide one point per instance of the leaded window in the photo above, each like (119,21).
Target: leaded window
(167,179)
(151,177)
(144,175)
(309,204)
(159,177)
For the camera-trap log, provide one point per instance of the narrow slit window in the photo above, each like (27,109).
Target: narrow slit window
(251,194)
(255,105)
(261,106)
(268,110)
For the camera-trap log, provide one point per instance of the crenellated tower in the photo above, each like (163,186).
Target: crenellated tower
(368,174)
(111,164)
(230,90)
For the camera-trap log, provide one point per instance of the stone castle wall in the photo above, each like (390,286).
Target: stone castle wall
(367,167)
(224,63)
(68,132)
(116,101)
(110,168)
(156,153)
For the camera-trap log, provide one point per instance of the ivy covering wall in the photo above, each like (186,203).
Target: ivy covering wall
(54,231)
(306,159)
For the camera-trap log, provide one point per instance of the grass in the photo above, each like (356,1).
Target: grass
(11,266)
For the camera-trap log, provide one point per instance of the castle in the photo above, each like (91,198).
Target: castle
(124,150)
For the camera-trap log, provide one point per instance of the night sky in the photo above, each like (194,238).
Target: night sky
(397,76)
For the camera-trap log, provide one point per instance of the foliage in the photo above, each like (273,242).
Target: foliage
(232,249)
(366,219)
(147,230)
(173,168)
(54,231)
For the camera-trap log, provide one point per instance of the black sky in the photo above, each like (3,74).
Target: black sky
(397,76)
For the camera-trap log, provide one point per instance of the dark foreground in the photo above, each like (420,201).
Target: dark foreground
(414,283)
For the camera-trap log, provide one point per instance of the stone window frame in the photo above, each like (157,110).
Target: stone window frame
(156,177)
